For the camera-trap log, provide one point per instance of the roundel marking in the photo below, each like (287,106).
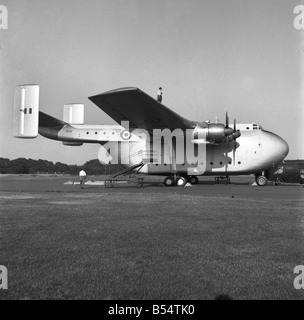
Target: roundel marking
(125,135)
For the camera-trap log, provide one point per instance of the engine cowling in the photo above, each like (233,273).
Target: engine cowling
(216,132)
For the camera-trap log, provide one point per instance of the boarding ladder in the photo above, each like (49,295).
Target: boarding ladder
(147,157)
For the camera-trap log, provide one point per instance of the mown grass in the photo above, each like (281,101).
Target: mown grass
(151,244)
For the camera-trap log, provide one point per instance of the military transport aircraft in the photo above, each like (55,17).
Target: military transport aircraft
(154,140)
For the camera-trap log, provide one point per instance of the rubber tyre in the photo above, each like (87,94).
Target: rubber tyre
(169,182)
(193,180)
(181,181)
(261,181)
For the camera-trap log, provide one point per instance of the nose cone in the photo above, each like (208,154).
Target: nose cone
(277,147)
(284,147)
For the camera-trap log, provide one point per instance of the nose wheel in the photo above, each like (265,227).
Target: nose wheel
(261,180)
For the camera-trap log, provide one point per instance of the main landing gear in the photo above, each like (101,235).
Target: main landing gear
(179,181)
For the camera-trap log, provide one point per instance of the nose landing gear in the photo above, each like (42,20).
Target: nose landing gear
(261,180)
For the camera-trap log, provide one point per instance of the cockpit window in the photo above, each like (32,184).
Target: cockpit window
(256,127)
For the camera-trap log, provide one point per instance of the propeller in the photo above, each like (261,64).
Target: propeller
(228,130)
(235,135)
(231,134)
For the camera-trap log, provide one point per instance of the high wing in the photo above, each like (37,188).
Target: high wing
(140,109)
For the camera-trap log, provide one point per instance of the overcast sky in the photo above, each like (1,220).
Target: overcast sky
(209,56)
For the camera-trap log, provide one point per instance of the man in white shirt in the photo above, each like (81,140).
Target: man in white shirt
(82,177)
(160,95)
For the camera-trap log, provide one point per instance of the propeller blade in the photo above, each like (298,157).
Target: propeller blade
(227,120)
(234,148)
(227,150)
(234,138)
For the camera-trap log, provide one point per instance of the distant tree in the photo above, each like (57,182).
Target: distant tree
(93,167)
(73,169)
(31,166)
(61,167)
(18,166)
(4,165)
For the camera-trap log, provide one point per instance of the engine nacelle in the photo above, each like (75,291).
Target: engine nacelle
(213,133)
(26,111)
(216,132)
(73,113)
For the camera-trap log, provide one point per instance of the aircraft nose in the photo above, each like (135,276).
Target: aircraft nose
(284,147)
(276,148)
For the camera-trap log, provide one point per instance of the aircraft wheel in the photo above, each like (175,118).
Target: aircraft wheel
(193,180)
(169,182)
(261,181)
(181,181)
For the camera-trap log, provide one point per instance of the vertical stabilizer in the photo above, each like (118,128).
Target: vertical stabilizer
(26,111)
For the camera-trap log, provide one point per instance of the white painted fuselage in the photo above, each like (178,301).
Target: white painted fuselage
(256,150)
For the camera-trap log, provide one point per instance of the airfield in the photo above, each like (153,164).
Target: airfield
(155,242)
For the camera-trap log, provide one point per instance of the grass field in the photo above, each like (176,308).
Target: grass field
(60,242)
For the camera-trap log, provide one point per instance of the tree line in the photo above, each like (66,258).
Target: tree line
(30,166)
